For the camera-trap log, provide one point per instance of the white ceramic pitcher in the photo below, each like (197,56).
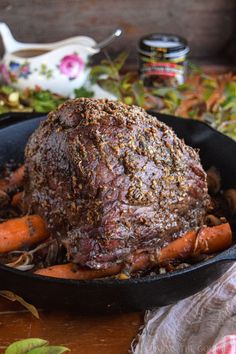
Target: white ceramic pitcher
(59,67)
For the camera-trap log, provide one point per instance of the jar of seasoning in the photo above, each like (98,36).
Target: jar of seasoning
(163,60)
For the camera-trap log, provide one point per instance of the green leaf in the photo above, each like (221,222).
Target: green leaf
(51,349)
(193,113)
(126,81)
(3,109)
(25,345)
(43,106)
(169,104)
(34,346)
(7,89)
(194,68)
(168,92)
(230,89)
(43,100)
(207,94)
(111,86)
(100,71)
(209,82)
(229,103)
(120,60)
(174,96)
(186,87)
(138,91)
(162,92)
(83,92)
(128,100)
(13,297)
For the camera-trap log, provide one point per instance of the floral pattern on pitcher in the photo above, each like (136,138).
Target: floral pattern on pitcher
(5,76)
(14,71)
(71,65)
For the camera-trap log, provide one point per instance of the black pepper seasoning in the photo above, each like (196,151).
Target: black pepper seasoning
(162,60)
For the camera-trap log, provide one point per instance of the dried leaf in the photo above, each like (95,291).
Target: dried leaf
(25,346)
(13,297)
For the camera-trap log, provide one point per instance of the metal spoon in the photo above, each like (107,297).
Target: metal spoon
(109,39)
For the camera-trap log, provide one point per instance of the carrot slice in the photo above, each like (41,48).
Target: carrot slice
(213,239)
(14,181)
(207,240)
(4,199)
(181,248)
(17,200)
(142,261)
(68,271)
(25,231)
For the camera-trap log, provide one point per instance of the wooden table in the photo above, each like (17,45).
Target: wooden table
(109,334)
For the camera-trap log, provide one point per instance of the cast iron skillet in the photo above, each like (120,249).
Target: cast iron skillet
(123,295)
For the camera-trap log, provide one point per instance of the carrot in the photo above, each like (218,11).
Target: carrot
(180,248)
(14,181)
(213,239)
(4,199)
(141,261)
(25,231)
(17,200)
(68,271)
(207,240)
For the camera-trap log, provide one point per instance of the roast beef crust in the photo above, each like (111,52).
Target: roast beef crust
(110,179)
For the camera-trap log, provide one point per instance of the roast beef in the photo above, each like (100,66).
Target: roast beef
(110,180)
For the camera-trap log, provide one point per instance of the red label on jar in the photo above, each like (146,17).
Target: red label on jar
(162,68)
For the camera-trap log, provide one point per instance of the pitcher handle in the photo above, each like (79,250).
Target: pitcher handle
(10,44)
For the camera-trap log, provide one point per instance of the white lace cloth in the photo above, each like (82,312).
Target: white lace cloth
(193,325)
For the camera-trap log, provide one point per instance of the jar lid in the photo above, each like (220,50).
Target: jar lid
(165,44)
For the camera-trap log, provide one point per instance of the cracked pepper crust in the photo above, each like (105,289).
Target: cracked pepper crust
(109,180)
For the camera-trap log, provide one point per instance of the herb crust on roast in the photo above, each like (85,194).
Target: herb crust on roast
(111,180)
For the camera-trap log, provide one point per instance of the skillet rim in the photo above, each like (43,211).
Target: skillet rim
(228,255)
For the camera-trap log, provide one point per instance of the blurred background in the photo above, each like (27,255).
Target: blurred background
(208,25)
(203,85)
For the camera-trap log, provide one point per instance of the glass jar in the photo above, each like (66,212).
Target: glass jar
(162,60)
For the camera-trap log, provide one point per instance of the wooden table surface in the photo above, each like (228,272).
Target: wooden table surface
(108,334)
